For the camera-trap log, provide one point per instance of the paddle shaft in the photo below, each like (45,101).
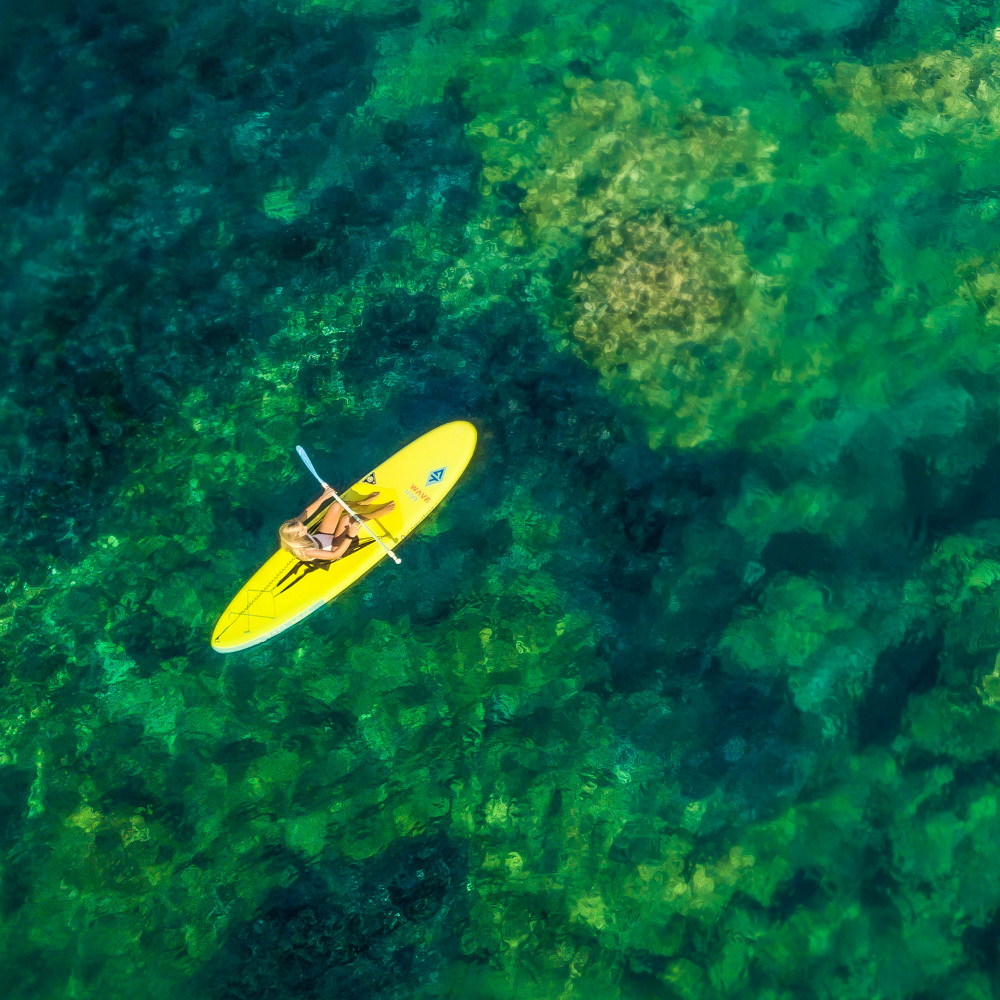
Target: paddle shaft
(305,458)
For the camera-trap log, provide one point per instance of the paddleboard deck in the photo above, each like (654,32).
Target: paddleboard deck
(285,590)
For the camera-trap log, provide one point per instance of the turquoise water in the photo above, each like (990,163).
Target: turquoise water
(691,688)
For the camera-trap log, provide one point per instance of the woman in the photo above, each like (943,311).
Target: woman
(335,534)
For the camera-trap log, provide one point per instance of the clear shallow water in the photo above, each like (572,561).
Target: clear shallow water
(689,690)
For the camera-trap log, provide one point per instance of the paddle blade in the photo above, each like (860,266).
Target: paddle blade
(308,464)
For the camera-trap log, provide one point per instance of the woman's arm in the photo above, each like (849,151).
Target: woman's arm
(315,505)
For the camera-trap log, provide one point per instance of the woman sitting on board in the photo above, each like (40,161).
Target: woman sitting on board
(335,534)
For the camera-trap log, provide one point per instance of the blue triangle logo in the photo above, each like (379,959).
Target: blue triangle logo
(436,475)
(370,479)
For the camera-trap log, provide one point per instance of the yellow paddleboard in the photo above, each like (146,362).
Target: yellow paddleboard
(285,590)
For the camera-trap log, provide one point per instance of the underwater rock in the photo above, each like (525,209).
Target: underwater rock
(655,310)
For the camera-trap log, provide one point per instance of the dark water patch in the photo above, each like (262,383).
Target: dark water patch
(740,733)
(804,889)
(776,30)
(133,792)
(981,943)
(774,40)
(643,517)
(870,254)
(38,662)
(31,974)
(976,499)
(925,491)
(803,553)
(338,206)
(235,756)
(940,215)
(510,196)
(908,669)
(311,717)
(879,888)
(404,323)
(645,973)
(15,785)
(22,862)
(362,930)
(637,603)
(751,709)
(876,26)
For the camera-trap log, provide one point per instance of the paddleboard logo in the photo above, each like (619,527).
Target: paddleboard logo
(436,475)
(416,493)
(370,479)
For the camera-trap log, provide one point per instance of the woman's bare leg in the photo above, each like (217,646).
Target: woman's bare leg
(331,523)
(334,519)
(353,527)
(369,515)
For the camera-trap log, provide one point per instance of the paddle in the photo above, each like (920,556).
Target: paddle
(326,486)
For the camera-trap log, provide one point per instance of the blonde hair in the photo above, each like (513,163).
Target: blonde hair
(294,538)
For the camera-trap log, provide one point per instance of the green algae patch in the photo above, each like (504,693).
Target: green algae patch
(951,94)
(284,205)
